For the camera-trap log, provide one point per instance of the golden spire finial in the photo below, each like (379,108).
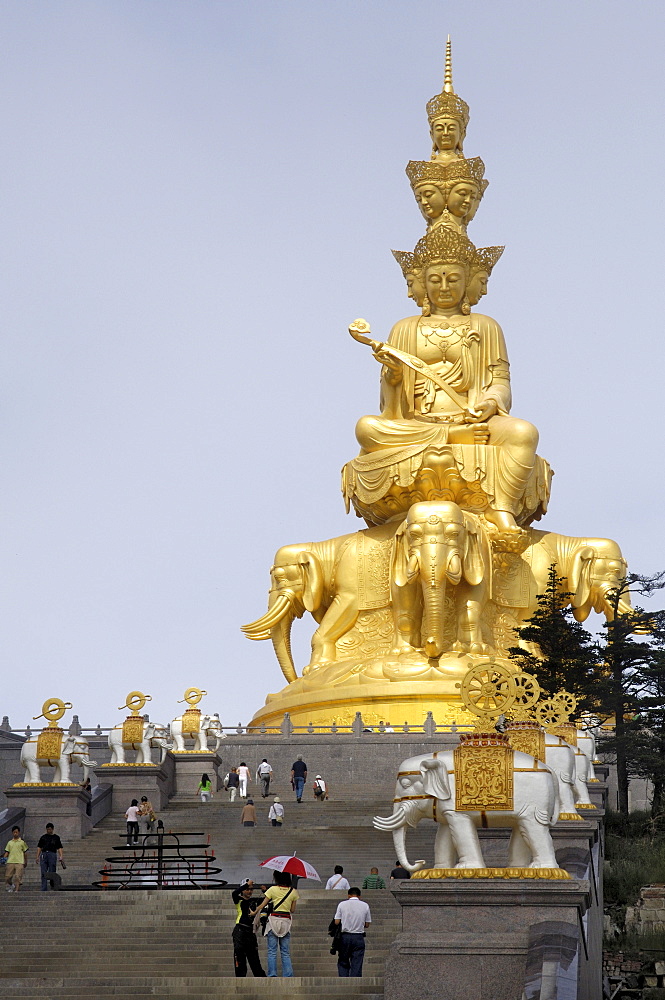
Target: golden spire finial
(448,74)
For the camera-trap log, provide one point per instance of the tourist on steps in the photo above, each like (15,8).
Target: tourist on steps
(132,817)
(276,812)
(298,777)
(354,916)
(264,774)
(244,778)
(232,783)
(399,872)
(49,850)
(15,852)
(248,814)
(283,899)
(320,789)
(245,944)
(147,815)
(205,788)
(337,881)
(373,880)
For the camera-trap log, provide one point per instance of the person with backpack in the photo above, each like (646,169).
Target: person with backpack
(232,782)
(337,880)
(320,789)
(276,812)
(281,898)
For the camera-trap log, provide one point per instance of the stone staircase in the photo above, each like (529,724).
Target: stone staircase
(177,943)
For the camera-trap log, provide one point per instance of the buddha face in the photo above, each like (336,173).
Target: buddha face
(462,198)
(446,134)
(445,285)
(416,289)
(431,201)
(477,287)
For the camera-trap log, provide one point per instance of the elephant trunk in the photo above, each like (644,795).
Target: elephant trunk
(276,624)
(433,622)
(399,843)
(281,640)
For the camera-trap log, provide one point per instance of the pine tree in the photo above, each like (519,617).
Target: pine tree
(631,683)
(558,650)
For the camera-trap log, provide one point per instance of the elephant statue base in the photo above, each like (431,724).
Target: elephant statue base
(545,873)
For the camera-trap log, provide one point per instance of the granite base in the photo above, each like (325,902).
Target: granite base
(189,767)
(489,940)
(131,781)
(63,805)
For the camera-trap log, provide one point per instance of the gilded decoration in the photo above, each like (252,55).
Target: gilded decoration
(505,873)
(483,772)
(528,737)
(448,482)
(132,729)
(191,722)
(49,743)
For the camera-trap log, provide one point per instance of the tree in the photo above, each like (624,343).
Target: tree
(632,684)
(558,650)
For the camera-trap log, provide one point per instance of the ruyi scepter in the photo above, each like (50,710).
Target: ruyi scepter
(384,353)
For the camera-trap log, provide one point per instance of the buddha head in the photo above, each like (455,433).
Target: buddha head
(413,276)
(446,258)
(431,200)
(486,258)
(448,117)
(447,194)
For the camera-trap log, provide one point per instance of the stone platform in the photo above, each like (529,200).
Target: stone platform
(189,766)
(63,805)
(131,781)
(482,939)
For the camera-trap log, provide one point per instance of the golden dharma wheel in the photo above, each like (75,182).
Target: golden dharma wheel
(53,710)
(488,690)
(567,701)
(193,695)
(135,701)
(550,713)
(527,690)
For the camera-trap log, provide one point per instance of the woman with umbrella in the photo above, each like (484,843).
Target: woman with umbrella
(281,899)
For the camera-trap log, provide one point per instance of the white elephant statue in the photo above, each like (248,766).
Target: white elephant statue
(154,735)
(586,742)
(581,778)
(209,727)
(440,550)
(560,758)
(74,750)
(426,789)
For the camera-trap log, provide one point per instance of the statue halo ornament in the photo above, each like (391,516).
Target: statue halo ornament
(193,696)
(488,690)
(135,701)
(53,710)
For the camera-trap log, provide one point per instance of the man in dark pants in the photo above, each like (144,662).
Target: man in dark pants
(355,917)
(245,945)
(298,777)
(49,849)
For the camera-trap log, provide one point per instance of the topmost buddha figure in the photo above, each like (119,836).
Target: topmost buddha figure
(448,117)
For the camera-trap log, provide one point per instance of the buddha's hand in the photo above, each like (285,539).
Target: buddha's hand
(483,410)
(392,367)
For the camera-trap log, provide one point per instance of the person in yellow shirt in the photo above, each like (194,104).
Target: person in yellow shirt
(15,852)
(283,899)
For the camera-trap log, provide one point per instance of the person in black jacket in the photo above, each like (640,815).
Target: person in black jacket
(245,945)
(49,850)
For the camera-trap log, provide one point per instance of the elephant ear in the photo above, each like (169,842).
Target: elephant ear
(403,571)
(312,581)
(477,558)
(435,778)
(579,578)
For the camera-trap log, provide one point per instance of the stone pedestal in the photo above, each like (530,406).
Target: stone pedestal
(489,939)
(62,805)
(189,767)
(598,793)
(131,781)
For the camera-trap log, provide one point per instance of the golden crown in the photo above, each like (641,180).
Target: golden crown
(405,260)
(446,174)
(443,246)
(447,104)
(487,258)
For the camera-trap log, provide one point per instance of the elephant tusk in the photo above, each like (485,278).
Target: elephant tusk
(260,629)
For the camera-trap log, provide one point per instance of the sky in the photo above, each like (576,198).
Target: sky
(197,198)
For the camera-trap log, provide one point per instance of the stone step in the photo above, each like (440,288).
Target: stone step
(186,988)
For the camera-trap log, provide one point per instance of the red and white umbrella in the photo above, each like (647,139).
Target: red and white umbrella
(290,863)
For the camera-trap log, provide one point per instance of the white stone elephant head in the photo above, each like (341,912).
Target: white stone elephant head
(440,547)
(425,788)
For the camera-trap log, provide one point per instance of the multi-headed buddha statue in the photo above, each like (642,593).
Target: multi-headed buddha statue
(449,484)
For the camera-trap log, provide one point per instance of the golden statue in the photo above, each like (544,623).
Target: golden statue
(448,482)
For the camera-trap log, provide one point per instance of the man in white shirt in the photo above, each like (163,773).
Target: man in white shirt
(264,774)
(337,881)
(354,916)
